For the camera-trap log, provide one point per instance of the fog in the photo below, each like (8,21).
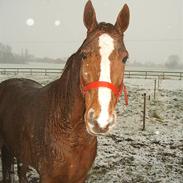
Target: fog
(155,31)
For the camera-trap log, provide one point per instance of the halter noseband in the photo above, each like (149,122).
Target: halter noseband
(117,91)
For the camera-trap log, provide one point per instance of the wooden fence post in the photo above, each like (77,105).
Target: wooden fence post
(144,112)
(154,89)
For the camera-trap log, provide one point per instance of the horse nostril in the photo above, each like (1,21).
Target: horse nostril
(91,117)
(91,114)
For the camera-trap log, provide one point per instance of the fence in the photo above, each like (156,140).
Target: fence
(154,74)
(128,73)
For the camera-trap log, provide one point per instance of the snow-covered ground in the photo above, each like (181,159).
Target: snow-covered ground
(130,155)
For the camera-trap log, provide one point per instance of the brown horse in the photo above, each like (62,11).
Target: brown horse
(54,128)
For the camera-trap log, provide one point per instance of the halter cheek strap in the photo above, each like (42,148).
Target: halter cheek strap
(117,91)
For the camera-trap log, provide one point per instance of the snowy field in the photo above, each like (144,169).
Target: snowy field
(130,155)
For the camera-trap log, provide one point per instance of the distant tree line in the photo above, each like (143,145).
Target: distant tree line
(172,62)
(7,56)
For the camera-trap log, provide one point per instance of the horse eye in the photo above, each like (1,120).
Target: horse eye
(125,59)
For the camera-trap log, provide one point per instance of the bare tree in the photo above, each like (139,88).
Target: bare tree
(173,62)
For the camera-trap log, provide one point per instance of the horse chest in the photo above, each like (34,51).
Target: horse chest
(74,163)
(82,157)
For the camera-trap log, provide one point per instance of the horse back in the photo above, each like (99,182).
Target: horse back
(17,92)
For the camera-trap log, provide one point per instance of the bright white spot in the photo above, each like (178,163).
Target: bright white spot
(169,27)
(57,23)
(106,47)
(157,132)
(30,21)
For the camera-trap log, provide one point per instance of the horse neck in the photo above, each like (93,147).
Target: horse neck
(67,103)
(66,108)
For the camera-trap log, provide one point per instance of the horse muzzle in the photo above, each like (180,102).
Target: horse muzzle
(99,125)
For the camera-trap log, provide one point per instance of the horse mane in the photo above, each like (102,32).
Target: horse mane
(65,91)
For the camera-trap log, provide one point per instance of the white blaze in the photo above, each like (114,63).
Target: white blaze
(106,47)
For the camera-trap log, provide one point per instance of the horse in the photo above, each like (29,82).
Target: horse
(54,128)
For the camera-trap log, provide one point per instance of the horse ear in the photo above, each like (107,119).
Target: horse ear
(89,17)
(122,21)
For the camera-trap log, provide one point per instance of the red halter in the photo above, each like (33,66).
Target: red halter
(117,92)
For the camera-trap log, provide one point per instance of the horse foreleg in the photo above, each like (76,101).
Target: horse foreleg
(7,165)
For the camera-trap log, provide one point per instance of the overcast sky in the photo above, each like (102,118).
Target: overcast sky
(155,31)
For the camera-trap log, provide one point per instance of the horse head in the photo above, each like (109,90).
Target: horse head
(102,69)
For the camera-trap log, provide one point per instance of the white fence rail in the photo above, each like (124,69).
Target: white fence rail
(128,73)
